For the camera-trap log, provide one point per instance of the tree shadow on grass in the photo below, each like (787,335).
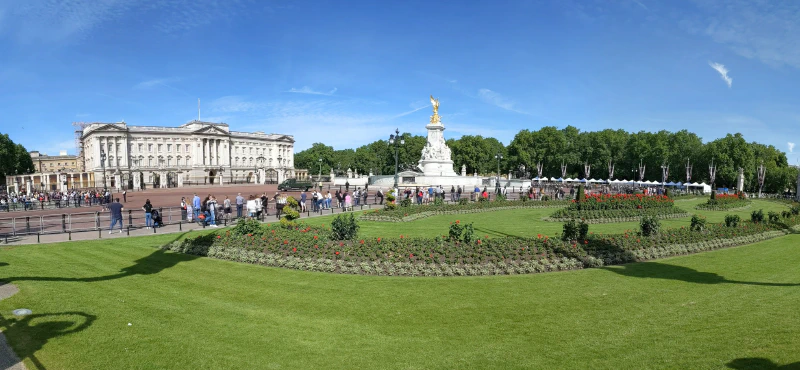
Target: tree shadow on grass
(32,332)
(153,263)
(655,270)
(760,363)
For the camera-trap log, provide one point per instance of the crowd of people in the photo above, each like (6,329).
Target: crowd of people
(58,199)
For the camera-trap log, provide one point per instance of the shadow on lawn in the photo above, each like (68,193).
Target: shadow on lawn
(32,332)
(655,270)
(760,363)
(153,263)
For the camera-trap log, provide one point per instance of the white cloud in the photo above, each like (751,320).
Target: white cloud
(764,31)
(493,98)
(308,90)
(723,72)
(791,147)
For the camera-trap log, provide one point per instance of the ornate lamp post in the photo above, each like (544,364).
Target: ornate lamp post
(320,170)
(103,166)
(762,173)
(393,140)
(712,173)
(664,174)
(498,156)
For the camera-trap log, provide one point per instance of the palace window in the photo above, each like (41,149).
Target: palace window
(169,148)
(160,147)
(187,148)
(149,148)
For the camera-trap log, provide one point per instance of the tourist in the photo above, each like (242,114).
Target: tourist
(183,208)
(476,193)
(356,197)
(328,200)
(189,212)
(252,206)
(348,205)
(239,205)
(116,215)
(452,193)
(279,203)
(227,209)
(339,200)
(125,196)
(198,207)
(211,207)
(379,197)
(303,201)
(264,206)
(148,216)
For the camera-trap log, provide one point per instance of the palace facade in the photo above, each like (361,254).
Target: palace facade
(196,153)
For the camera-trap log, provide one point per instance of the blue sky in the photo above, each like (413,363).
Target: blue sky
(348,72)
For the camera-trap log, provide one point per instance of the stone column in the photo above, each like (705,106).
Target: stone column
(137,177)
(180,179)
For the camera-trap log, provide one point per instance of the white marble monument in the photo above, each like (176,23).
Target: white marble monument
(436,154)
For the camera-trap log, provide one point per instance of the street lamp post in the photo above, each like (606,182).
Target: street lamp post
(498,156)
(103,166)
(320,170)
(393,140)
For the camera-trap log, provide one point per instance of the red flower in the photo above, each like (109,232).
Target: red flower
(458,221)
(539,236)
(337,253)
(316,237)
(285,242)
(316,246)
(362,241)
(379,240)
(341,244)
(218,237)
(401,236)
(294,249)
(431,255)
(479,241)
(585,242)
(411,255)
(273,231)
(249,234)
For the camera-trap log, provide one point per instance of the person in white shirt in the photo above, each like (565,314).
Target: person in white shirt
(252,206)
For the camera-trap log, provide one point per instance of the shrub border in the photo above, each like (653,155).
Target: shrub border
(377,217)
(613,220)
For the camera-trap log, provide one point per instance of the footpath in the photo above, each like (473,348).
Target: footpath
(169,228)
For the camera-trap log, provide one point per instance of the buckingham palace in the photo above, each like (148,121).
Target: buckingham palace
(119,155)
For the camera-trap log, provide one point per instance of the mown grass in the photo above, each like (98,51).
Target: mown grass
(700,311)
(528,222)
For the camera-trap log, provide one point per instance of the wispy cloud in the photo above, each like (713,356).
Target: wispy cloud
(723,72)
(791,146)
(419,107)
(34,21)
(764,31)
(154,82)
(308,90)
(494,98)
(640,4)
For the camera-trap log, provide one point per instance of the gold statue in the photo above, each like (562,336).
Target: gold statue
(435,104)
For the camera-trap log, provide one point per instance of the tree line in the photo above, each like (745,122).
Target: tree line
(14,159)
(553,147)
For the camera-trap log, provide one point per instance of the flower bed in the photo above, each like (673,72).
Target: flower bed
(311,248)
(411,213)
(725,202)
(606,208)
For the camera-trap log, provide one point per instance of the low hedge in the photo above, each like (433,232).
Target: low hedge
(726,206)
(616,215)
(416,212)
(311,248)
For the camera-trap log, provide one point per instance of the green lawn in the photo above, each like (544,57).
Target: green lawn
(735,306)
(528,222)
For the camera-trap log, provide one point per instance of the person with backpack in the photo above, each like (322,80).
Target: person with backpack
(148,213)
(379,196)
